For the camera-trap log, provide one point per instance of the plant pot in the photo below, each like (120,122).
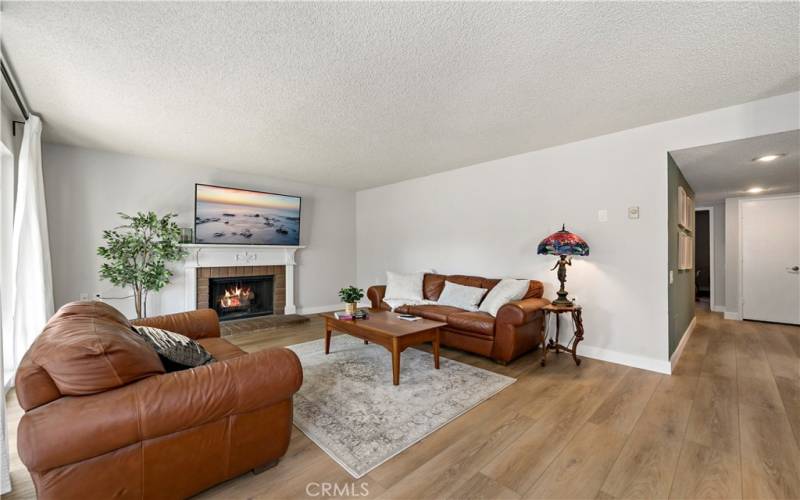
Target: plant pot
(350,307)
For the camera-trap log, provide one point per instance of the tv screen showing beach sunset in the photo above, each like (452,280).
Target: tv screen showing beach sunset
(241,217)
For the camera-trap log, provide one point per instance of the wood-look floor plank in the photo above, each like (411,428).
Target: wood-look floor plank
(770,458)
(480,487)
(581,468)
(705,472)
(535,438)
(623,406)
(520,466)
(714,420)
(646,465)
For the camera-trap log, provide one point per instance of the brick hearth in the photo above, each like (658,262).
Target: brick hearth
(278,290)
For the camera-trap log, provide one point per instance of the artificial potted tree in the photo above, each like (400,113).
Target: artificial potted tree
(350,296)
(137,253)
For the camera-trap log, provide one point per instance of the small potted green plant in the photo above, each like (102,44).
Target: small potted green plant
(350,296)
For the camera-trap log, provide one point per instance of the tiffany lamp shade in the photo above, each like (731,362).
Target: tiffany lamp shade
(565,245)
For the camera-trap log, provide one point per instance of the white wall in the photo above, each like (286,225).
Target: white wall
(487,219)
(86,188)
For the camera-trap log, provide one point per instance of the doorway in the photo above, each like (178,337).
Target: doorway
(704,257)
(770,259)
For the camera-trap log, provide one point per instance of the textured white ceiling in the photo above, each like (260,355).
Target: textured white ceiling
(363,94)
(727,170)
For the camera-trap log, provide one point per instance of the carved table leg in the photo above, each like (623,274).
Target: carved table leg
(543,362)
(578,321)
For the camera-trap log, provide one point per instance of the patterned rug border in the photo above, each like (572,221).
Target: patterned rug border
(319,441)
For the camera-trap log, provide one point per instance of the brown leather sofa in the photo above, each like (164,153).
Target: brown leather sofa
(517,329)
(103,420)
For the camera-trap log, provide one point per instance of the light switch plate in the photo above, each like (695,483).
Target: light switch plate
(633,212)
(602,215)
(670,277)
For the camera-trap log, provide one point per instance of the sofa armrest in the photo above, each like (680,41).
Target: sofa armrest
(199,324)
(72,429)
(519,312)
(375,295)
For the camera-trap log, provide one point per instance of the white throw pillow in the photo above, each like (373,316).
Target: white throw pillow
(503,293)
(404,286)
(465,297)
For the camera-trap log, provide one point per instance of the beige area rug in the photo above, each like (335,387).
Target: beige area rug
(349,407)
(260,323)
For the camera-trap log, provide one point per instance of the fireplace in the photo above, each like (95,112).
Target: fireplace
(241,296)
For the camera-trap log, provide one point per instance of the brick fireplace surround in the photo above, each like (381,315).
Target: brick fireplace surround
(278,290)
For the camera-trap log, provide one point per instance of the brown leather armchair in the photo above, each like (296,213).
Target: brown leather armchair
(517,329)
(103,420)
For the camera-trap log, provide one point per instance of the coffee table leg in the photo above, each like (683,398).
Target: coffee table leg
(327,338)
(436,350)
(395,362)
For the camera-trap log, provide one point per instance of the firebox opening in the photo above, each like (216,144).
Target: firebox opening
(242,297)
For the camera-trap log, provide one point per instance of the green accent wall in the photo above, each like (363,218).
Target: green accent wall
(681,291)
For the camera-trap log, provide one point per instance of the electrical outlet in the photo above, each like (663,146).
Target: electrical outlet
(633,212)
(602,215)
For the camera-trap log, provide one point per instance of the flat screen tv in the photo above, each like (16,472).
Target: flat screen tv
(229,216)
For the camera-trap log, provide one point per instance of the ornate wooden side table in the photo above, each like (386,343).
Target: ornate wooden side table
(553,344)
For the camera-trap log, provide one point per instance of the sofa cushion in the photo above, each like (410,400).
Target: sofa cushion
(535,290)
(89,347)
(435,313)
(402,309)
(221,349)
(460,279)
(476,322)
(432,285)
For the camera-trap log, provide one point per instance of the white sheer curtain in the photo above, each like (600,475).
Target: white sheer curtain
(32,281)
(6,220)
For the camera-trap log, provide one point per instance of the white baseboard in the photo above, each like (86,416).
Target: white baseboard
(718,309)
(319,309)
(732,316)
(673,360)
(621,358)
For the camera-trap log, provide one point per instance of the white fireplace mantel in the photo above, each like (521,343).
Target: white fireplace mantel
(200,255)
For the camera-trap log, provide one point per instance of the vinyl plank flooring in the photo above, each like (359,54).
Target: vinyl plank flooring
(520,466)
(725,425)
(714,420)
(770,458)
(646,465)
(580,469)
(708,473)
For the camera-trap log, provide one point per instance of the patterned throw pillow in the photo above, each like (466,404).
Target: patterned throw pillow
(174,348)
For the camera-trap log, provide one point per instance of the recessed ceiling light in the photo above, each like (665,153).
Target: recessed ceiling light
(755,190)
(769,158)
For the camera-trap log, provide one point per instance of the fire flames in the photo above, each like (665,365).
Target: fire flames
(236,297)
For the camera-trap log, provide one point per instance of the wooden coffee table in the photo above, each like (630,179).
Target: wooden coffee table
(386,329)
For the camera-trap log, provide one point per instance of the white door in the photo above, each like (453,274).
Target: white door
(771,259)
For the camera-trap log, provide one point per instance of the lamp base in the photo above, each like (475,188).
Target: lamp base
(562,300)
